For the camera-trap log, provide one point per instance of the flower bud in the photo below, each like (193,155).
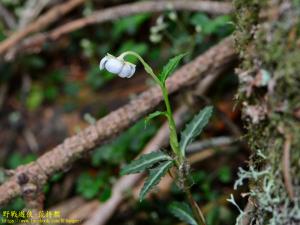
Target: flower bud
(117,65)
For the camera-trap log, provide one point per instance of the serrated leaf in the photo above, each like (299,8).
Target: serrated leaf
(144,162)
(153,115)
(154,177)
(195,127)
(170,67)
(183,212)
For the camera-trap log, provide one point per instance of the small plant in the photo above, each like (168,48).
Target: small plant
(159,163)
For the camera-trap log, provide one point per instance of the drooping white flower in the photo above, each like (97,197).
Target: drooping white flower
(117,65)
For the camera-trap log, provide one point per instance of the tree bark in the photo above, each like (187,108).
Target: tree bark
(268,40)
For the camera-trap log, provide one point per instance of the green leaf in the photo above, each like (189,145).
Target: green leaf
(224,174)
(16,204)
(94,80)
(130,25)
(183,212)
(35,62)
(153,115)
(154,177)
(35,97)
(56,177)
(210,26)
(170,67)
(72,89)
(51,92)
(16,159)
(145,162)
(129,143)
(194,128)
(87,186)
(105,195)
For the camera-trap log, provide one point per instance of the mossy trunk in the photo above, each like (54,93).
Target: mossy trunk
(268,40)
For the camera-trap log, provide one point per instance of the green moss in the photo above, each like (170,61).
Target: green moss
(268,38)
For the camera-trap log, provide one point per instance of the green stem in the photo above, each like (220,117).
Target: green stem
(172,126)
(173,134)
(146,65)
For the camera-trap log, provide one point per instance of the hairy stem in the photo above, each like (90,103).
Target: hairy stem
(173,135)
(195,208)
(146,65)
(172,126)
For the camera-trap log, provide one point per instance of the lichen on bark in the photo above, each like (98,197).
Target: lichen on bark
(268,40)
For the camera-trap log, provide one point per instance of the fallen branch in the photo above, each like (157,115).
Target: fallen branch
(69,205)
(210,143)
(36,42)
(205,153)
(3,92)
(62,156)
(31,11)
(7,17)
(43,21)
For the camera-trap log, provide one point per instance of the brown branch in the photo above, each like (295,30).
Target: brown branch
(248,210)
(35,42)
(43,21)
(210,143)
(31,11)
(3,92)
(286,166)
(32,193)
(67,206)
(219,56)
(7,17)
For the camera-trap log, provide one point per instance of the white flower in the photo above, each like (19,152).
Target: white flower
(117,65)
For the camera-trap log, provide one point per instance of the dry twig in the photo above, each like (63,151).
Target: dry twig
(210,143)
(3,92)
(31,11)
(67,206)
(35,42)
(219,56)
(286,165)
(7,17)
(43,21)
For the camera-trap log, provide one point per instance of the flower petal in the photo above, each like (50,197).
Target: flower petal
(132,71)
(127,70)
(102,62)
(114,65)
